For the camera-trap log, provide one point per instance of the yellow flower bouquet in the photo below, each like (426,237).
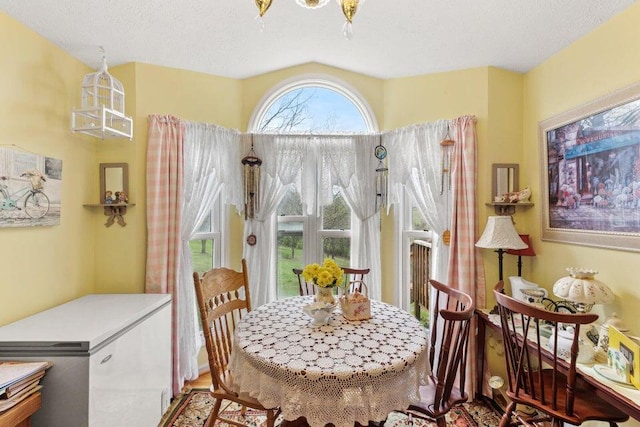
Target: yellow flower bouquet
(327,275)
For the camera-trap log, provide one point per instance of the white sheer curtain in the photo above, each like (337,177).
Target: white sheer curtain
(415,164)
(312,165)
(283,163)
(211,162)
(351,165)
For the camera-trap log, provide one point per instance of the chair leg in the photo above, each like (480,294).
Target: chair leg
(441,422)
(243,411)
(505,421)
(271,419)
(214,412)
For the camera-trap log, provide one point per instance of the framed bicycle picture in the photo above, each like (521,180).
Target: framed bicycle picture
(590,158)
(30,188)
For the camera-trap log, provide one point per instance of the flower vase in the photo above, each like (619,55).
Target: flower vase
(325,295)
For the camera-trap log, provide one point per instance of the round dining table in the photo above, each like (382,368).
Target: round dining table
(343,372)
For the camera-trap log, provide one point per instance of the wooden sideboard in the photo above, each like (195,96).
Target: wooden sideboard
(19,415)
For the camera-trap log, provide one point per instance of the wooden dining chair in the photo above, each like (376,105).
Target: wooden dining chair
(223,299)
(304,287)
(555,391)
(355,277)
(448,345)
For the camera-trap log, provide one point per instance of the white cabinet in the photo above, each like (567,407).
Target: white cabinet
(111,359)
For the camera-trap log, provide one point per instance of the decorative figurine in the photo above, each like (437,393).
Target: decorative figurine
(108,197)
(122,197)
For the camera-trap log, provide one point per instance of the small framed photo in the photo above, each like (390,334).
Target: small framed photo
(630,349)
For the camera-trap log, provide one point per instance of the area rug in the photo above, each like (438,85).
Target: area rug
(193,408)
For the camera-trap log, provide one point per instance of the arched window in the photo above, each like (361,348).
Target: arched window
(315,105)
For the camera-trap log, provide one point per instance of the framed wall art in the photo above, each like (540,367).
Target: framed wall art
(30,188)
(590,160)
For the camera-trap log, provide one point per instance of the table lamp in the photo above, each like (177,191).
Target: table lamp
(528,251)
(500,234)
(581,290)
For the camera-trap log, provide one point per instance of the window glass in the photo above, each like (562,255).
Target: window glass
(417,220)
(338,249)
(337,215)
(312,110)
(290,204)
(202,254)
(290,256)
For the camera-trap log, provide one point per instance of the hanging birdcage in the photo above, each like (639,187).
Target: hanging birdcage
(251,165)
(102,111)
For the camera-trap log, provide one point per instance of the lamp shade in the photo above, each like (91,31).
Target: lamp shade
(528,251)
(500,233)
(581,287)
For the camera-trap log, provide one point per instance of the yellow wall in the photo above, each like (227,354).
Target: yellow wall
(597,64)
(40,84)
(197,97)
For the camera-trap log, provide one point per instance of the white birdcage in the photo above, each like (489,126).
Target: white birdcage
(102,111)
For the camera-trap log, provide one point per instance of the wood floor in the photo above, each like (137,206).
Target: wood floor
(203,381)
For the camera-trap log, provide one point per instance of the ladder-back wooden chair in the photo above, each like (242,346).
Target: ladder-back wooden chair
(448,345)
(354,277)
(304,287)
(223,299)
(555,391)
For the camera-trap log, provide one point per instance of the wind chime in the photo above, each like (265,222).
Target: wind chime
(446,146)
(251,165)
(381,176)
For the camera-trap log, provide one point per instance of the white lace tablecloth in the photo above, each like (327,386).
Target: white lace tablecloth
(340,373)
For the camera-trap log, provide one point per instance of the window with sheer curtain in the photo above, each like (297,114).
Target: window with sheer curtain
(319,223)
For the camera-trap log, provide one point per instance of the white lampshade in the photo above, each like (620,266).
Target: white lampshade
(581,287)
(500,233)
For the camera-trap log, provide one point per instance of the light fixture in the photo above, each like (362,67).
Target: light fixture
(102,111)
(349,9)
(500,234)
(528,251)
(582,290)
(312,4)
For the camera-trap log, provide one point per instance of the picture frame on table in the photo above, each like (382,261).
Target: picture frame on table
(590,179)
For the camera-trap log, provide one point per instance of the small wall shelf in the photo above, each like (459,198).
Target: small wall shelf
(115,212)
(506,208)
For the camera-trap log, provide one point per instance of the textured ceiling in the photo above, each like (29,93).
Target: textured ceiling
(392,38)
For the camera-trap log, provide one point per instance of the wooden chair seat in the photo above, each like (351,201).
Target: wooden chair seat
(586,405)
(428,394)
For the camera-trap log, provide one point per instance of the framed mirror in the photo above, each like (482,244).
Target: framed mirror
(114,178)
(505,179)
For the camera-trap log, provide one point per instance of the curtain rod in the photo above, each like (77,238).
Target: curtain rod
(314,135)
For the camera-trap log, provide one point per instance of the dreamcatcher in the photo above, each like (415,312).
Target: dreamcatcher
(445,175)
(251,165)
